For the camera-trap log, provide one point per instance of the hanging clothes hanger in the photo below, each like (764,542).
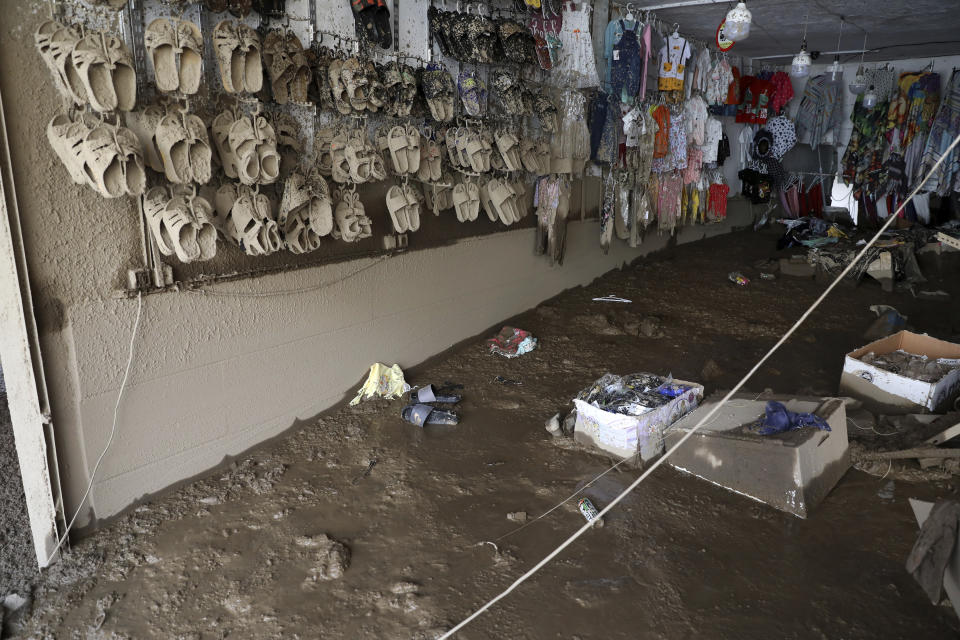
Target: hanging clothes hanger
(630,17)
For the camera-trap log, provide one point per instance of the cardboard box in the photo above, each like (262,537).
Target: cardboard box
(887,392)
(625,436)
(792,471)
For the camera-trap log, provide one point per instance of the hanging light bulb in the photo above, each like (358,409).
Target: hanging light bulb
(870,99)
(859,85)
(800,68)
(835,71)
(737,27)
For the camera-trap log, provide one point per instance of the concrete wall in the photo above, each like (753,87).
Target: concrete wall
(215,375)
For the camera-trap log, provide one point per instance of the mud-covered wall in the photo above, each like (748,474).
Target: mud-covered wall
(216,374)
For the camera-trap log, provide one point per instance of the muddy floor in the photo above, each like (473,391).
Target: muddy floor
(358,525)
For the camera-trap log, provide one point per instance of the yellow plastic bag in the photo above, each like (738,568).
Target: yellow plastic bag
(383,381)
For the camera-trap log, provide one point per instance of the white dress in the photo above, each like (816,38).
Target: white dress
(577,66)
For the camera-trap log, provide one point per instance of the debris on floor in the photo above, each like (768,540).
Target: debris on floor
(386,382)
(792,469)
(738,278)
(934,561)
(519,517)
(512,342)
(590,512)
(331,558)
(612,298)
(627,415)
(888,322)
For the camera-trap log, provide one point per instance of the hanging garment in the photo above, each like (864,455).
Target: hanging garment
(670,194)
(673,62)
(946,127)
(723,149)
(711,140)
(784,135)
(626,66)
(577,66)
(676,159)
(820,109)
(661,145)
(755,100)
(718,84)
(611,36)
(717,206)
(782,92)
(695,115)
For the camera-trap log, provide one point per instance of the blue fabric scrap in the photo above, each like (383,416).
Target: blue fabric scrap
(779,419)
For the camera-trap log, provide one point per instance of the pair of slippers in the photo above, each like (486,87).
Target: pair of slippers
(247,147)
(181,223)
(174,142)
(95,68)
(546,111)
(306,211)
(246,218)
(513,96)
(473,94)
(288,66)
(175,48)
(466,201)
(103,156)
(403,203)
(356,86)
(351,218)
(373,22)
(469,150)
(431,161)
(402,144)
(438,197)
(501,201)
(440,92)
(354,159)
(509,148)
(536,156)
(422,409)
(239,59)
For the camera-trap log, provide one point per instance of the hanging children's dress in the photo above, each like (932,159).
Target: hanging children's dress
(577,66)
(673,62)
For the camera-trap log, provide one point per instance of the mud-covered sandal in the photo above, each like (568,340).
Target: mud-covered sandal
(397,206)
(230,60)
(424,414)
(428,394)
(250,50)
(160,39)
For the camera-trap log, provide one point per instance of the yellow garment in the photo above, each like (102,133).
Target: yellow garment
(383,381)
(834,232)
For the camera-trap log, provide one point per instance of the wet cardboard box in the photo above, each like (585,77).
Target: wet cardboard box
(624,436)
(791,471)
(887,392)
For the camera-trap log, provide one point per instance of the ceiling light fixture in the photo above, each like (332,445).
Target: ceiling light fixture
(802,61)
(859,85)
(737,27)
(835,71)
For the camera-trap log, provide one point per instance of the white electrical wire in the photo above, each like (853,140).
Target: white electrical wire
(113,429)
(579,532)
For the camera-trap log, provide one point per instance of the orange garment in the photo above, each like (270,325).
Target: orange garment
(661,143)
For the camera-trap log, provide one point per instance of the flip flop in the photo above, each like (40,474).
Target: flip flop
(160,38)
(102,162)
(230,60)
(381,19)
(301,75)
(428,394)
(206,232)
(174,149)
(487,203)
(199,152)
(337,88)
(364,13)
(220,132)
(397,206)
(473,208)
(279,65)
(397,142)
(461,202)
(250,49)
(413,149)
(190,48)
(413,207)
(424,414)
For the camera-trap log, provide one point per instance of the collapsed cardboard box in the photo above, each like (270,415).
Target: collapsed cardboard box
(792,471)
(887,392)
(623,435)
